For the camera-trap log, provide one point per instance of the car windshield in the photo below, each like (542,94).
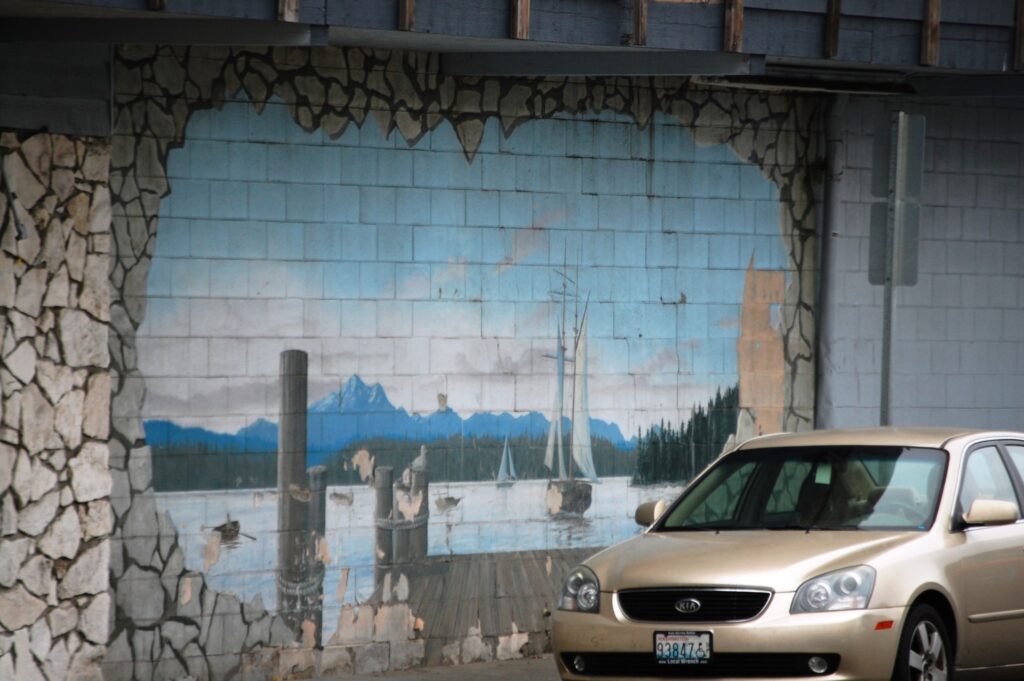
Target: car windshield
(814,488)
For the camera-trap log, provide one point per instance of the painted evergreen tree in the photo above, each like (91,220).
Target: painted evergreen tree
(667,454)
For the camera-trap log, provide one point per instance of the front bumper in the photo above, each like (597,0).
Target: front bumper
(865,653)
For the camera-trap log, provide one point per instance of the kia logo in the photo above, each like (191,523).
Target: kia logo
(688,606)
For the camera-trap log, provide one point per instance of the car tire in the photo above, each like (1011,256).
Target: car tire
(926,652)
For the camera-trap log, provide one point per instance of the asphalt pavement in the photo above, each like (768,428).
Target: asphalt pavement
(534,669)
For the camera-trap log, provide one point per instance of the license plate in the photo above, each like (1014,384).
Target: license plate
(682,647)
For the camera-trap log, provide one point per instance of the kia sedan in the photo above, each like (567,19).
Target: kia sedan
(860,554)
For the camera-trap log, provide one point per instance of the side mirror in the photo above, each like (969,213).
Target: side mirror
(991,512)
(648,512)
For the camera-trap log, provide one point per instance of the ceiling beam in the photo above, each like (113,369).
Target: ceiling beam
(595,63)
(161,31)
(519,20)
(930,33)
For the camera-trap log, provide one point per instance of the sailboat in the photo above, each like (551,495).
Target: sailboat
(507,469)
(569,494)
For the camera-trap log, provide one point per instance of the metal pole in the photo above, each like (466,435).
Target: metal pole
(897,161)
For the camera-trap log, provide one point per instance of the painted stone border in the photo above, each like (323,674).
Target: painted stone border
(55,511)
(168,620)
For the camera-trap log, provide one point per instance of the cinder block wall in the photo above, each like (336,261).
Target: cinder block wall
(957,352)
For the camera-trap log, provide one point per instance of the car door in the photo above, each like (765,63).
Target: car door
(991,577)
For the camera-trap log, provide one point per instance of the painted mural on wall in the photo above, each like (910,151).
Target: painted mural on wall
(533,303)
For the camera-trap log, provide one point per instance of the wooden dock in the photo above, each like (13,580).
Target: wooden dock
(488,591)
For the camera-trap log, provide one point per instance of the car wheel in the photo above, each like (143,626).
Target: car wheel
(925,652)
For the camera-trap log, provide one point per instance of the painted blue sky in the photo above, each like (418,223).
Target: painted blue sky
(431,275)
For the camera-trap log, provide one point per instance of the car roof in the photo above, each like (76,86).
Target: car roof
(888,436)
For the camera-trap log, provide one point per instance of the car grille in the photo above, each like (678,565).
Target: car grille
(731,665)
(716,605)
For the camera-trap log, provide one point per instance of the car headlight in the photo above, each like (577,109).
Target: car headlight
(848,589)
(581,591)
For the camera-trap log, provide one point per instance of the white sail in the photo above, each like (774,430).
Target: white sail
(507,469)
(555,428)
(582,454)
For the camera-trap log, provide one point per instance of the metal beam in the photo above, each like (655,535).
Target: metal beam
(930,33)
(159,31)
(594,63)
(733,39)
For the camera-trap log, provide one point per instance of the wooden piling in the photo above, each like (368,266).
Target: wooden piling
(383,478)
(312,590)
(292,489)
(418,532)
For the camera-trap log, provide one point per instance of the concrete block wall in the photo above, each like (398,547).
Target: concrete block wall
(239,235)
(957,353)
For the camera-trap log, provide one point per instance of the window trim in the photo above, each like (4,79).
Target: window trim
(957,521)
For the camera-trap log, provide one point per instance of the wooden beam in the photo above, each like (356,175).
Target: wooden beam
(1018,41)
(288,10)
(639,22)
(406,15)
(733,39)
(519,17)
(832,28)
(930,33)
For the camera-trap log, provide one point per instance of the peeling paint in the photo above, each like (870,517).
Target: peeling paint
(401,590)
(308,633)
(554,499)
(211,552)
(342,584)
(341,498)
(511,647)
(475,648)
(299,493)
(363,462)
(445,504)
(410,504)
(323,550)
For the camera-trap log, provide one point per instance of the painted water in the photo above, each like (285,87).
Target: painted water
(465,518)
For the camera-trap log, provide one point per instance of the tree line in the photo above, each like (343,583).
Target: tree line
(455,459)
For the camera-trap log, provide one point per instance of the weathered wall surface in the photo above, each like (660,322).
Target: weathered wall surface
(419,237)
(957,355)
(55,512)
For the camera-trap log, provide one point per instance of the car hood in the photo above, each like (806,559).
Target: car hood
(777,560)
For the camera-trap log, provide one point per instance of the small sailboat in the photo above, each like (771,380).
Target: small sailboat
(507,469)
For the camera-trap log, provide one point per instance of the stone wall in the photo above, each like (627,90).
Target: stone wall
(169,621)
(55,511)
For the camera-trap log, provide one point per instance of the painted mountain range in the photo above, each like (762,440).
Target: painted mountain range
(359,412)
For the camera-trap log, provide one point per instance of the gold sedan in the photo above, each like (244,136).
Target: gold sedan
(859,554)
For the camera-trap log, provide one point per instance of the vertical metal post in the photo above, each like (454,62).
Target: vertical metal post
(897,161)
(292,512)
(384,551)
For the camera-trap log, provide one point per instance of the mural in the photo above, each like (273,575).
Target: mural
(393,378)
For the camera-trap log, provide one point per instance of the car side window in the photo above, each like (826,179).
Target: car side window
(986,477)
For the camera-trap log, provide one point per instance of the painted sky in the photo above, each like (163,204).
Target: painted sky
(431,275)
